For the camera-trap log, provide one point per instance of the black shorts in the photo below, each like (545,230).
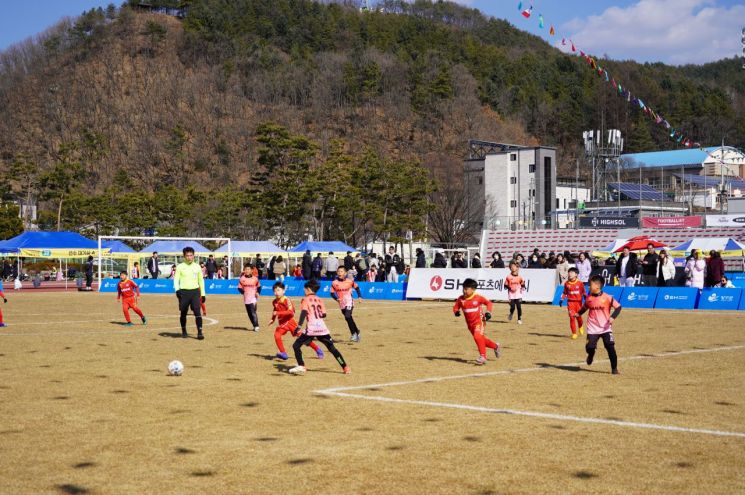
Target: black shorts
(190,298)
(608,340)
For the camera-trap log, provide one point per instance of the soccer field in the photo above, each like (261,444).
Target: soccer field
(87,405)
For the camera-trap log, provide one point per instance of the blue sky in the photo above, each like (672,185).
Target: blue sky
(672,31)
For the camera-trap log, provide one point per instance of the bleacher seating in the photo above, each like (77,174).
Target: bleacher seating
(574,241)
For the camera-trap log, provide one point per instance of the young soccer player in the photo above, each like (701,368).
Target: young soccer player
(284,311)
(313,310)
(574,293)
(5,301)
(249,286)
(189,286)
(600,321)
(341,291)
(472,306)
(515,286)
(128,292)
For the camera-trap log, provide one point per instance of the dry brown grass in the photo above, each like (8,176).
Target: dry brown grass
(87,407)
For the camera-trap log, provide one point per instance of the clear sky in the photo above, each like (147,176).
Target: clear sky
(672,31)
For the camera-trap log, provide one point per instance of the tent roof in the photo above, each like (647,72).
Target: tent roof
(173,247)
(250,247)
(116,246)
(322,247)
(709,243)
(47,240)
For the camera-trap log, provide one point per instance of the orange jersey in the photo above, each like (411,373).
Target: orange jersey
(472,308)
(599,309)
(284,310)
(127,290)
(343,291)
(514,284)
(574,291)
(316,311)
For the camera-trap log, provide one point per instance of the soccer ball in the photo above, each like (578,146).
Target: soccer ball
(175,368)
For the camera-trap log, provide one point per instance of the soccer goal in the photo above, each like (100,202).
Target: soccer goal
(129,256)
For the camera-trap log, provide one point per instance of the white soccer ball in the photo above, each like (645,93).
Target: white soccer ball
(175,368)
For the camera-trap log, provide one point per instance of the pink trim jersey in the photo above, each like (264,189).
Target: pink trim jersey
(250,286)
(343,290)
(599,308)
(314,308)
(514,285)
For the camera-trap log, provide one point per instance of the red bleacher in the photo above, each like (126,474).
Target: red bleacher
(574,241)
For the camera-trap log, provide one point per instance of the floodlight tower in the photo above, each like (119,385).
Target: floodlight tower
(601,152)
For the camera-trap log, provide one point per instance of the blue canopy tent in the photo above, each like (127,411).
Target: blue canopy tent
(323,247)
(117,248)
(246,249)
(174,248)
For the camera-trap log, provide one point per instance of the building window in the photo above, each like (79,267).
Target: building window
(513,157)
(513,180)
(513,203)
(481,180)
(547,185)
(531,168)
(557,204)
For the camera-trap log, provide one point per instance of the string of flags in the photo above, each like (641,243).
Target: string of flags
(675,134)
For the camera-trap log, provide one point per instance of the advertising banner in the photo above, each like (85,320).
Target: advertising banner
(447,283)
(638,297)
(671,222)
(720,299)
(609,222)
(676,298)
(726,220)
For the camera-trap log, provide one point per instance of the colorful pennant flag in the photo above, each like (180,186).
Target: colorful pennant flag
(540,21)
(520,7)
(528,12)
(552,31)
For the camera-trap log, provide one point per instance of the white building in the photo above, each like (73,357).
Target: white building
(568,194)
(511,187)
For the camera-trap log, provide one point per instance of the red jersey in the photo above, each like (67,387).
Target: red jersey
(127,290)
(574,291)
(472,308)
(284,310)
(343,291)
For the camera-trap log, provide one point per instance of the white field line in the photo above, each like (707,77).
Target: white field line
(343,392)
(137,328)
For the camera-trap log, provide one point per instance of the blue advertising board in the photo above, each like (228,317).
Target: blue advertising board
(611,290)
(557,295)
(720,299)
(293,288)
(638,297)
(676,298)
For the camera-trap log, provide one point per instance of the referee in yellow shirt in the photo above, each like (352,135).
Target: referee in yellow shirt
(189,285)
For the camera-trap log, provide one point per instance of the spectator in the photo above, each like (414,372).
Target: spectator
(496,260)
(307,265)
(725,283)
(374,261)
(260,265)
(7,270)
(360,266)
(211,266)
(349,261)
(520,260)
(460,261)
(204,269)
(372,273)
(626,268)
(297,272)
(279,268)
(439,261)
(393,265)
(584,267)
(568,257)
(153,266)
(331,265)
(421,260)
(649,264)
(476,261)
(270,269)
(173,272)
(136,270)
(226,265)
(220,273)
(714,269)
(665,270)
(317,267)
(89,273)
(534,262)
(562,269)
(695,270)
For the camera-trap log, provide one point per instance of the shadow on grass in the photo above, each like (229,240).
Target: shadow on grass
(72,489)
(266,357)
(444,358)
(172,335)
(564,367)
(538,334)
(245,329)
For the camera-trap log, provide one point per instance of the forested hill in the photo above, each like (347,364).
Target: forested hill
(151,101)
